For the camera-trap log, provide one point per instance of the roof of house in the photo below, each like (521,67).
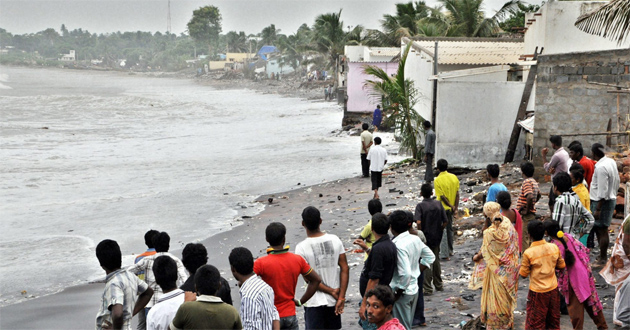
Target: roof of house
(484,51)
(266,49)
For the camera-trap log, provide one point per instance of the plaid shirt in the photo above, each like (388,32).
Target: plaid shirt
(146,265)
(121,288)
(568,211)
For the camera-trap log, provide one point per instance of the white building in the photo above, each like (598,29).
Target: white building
(71,57)
(479,89)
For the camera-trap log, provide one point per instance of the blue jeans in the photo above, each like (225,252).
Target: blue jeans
(289,323)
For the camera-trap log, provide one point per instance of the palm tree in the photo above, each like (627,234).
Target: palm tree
(405,22)
(269,35)
(466,18)
(236,42)
(328,37)
(612,21)
(400,96)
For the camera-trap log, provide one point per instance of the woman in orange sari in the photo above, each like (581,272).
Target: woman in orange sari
(496,270)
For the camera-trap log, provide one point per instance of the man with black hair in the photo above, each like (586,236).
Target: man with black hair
(208,311)
(161,243)
(148,240)
(429,151)
(568,211)
(559,162)
(258,311)
(413,257)
(378,158)
(366,238)
(576,152)
(431,219)
(366,143)
(539,262)
(380,264)
(194,256)
(281,269)
(161,315)
(326,253)
(527,198)
(603,197)
(447,192)
(124,296)
(493,171)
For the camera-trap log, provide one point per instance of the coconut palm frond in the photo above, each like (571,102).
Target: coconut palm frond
(611,21)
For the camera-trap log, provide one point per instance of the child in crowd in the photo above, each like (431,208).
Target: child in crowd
(366,239)
(576,282)
(577,179)
(539,262)
(526,203)
(505,200)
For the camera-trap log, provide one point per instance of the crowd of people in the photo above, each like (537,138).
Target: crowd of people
(403,252)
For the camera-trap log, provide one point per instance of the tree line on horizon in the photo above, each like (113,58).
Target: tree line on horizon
(320,43)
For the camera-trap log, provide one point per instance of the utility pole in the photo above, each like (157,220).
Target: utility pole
(435,86)
(168,18)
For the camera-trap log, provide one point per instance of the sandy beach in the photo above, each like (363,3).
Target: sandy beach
(344,211)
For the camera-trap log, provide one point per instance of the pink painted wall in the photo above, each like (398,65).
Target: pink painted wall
(359,98)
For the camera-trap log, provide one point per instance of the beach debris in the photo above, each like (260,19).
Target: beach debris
(338,197)
(390,204)
(246,217)
(45,127)
(353,264)
(331,202)
(469,297)
(299,184)
(270,200)
(321,195)
(284,197)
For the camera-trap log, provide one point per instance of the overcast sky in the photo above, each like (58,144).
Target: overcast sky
(251,16)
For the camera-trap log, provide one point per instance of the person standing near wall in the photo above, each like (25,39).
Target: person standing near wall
(377,118)
(429,151)
(447,191)
(366,143)
(603,197)
(559,163)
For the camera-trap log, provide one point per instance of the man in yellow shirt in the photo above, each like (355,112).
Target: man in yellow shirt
(447,192)
(539,262)
(577,179)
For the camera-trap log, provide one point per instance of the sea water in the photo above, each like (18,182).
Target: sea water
(89,155)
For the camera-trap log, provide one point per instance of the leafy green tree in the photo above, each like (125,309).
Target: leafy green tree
(205,26)
(236,42)
(269,35)
(328,36)
(400,96)
(404,23)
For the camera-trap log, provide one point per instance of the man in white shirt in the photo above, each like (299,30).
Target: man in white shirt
(366,143)
(161,315)
(413,258)
(258,311)
(325,253)
(603,193)
(378,158)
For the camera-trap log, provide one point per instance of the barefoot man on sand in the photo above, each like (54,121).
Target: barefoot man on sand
(378,158)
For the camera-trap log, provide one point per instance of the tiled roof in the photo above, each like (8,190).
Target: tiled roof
(475,52)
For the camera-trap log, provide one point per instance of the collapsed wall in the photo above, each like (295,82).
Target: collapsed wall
(576,93)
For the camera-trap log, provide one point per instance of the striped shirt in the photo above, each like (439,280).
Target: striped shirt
(529,186)
(146,265)
(257,305)
(121,288)
(568,210)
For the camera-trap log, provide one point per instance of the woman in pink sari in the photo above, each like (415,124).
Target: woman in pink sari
(576,282)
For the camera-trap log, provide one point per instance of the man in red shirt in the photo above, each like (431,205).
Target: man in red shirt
(281,269)
(576,152)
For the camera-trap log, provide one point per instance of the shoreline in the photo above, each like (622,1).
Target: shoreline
(343,217)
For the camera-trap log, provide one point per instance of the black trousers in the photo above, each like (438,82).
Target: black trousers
(365,165)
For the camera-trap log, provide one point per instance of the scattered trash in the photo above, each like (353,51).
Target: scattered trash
(321,195)
(270,200)
(338,197)
(391,204)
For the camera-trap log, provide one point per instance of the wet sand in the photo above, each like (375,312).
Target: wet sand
(76,307)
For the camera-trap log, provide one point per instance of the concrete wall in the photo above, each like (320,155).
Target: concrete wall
(475,119)
(273,66)
(354,53)
(570,97)
(419,68)
(554,29)
(359,97)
